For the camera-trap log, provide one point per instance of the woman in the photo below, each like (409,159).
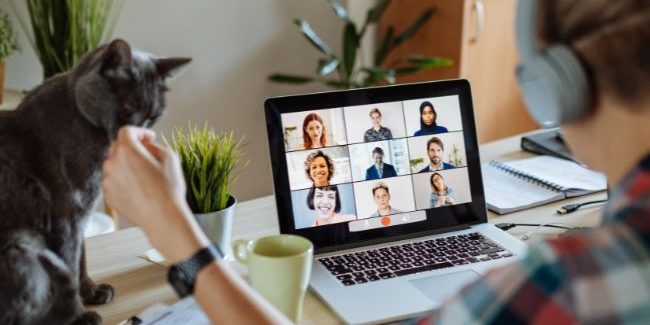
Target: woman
(325,201)
(592,277)
(319,168)
(428,117)
(441,194)
(313,132)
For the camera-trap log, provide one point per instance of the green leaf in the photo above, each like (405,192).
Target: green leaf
(350,45)
(292,79)
(312,37)
(340,10)
(373,16)
(327,66)
(429,62)
(377,74)
(414,27)
(384,47)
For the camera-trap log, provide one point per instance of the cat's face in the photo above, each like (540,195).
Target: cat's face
(115,85)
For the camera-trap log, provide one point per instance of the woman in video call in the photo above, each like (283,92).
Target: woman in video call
(441,194)
(319,168)
(589,277)
(326,202)
(313,132)
(381,195)
(428,118)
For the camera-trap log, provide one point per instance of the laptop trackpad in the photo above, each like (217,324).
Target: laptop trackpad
(440,287)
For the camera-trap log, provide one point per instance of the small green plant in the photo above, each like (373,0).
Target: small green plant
(63,31)
(350,76)
(8,41)
(415,162)
(455,157)
(211,164)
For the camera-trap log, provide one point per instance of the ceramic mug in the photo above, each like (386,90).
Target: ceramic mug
(279,267)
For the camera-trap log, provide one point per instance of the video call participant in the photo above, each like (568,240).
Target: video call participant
(326,202)
(313,132)
(599,276)
(428,118)
(381,196)
(441,194)
(376,132)
(319,168)
(380,169)
(435,151)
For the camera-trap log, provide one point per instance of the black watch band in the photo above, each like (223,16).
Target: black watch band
(182,275)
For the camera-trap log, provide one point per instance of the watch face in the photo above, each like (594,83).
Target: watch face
(181,283)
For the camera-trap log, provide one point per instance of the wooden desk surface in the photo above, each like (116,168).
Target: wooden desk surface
(113,258)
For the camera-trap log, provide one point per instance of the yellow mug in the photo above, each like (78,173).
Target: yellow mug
(279,267)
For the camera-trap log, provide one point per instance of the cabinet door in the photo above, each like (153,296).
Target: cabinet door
(488,60)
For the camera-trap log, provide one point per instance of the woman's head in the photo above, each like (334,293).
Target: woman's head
(437,183)
(313,131)
(428,115)
(324,200)
(610,38)
(319,167)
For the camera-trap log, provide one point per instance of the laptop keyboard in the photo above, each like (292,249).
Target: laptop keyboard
(410,258)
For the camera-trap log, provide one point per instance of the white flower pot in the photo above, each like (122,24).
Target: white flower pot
(217,226)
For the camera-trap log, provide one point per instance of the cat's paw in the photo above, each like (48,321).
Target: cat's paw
(99,295)
(88,318)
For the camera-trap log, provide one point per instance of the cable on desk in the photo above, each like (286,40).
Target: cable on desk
(509,225)
(573,207)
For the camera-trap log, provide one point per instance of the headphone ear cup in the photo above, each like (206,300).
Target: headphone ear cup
(554,87)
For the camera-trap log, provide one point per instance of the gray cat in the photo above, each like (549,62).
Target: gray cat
(52,148)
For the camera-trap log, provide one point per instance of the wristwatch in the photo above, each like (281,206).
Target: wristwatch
(182,275)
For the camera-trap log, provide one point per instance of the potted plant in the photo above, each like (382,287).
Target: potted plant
(63,31)
(211,164)
(8,44)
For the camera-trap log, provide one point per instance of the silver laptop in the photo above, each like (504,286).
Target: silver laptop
(386,182)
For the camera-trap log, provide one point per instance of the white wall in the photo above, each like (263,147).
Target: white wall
(235,46)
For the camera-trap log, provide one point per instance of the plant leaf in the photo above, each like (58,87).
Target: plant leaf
(350,45)
(340,10)
(429,62)
(373,15)
(312,37)
(384,48)
(376,74)
(292,79)
(327,66)
(414,27)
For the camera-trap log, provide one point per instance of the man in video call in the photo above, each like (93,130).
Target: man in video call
(379,169)
(376,132)
(381,195)
(435,150)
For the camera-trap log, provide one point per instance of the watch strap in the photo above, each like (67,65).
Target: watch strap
(182,275)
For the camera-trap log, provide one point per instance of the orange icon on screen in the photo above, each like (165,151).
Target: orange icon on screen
(385,221)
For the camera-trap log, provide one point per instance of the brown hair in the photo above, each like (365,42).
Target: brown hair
(378,186)
(610,37)
(375,110)
(434,188)
(328,161)
(436,141)
(305,137)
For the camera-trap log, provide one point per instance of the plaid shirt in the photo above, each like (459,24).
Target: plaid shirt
(382,134)
(600,277)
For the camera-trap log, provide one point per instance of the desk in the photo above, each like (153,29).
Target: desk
(113,258)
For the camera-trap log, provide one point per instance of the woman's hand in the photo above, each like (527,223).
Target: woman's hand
(144,183)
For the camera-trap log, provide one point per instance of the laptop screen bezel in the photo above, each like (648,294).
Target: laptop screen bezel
(337,236)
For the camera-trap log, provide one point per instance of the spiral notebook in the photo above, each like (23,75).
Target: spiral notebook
(526,183)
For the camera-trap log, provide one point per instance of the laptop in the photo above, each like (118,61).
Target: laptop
(386,183)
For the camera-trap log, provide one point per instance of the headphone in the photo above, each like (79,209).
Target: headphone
(553,81)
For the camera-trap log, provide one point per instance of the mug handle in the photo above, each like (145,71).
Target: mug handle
(240,250)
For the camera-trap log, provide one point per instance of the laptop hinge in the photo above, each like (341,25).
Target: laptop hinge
(391,239)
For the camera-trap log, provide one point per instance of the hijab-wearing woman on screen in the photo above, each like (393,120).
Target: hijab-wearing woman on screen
(319,168)
(326,202)
(428,118)
(313,132)
(441,194)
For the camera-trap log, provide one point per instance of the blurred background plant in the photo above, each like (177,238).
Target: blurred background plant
(62,31)
(8,41)
(348,75)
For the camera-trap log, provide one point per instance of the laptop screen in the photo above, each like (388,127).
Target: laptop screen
(360,166)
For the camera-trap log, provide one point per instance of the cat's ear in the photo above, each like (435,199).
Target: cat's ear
(117,60)
(170,68)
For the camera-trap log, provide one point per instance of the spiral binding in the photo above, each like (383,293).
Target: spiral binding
(527,177)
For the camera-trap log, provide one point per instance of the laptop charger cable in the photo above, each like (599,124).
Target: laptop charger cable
(573,207)
(569,228)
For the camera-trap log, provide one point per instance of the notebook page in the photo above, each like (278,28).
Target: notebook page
(564,173)
(505,193)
